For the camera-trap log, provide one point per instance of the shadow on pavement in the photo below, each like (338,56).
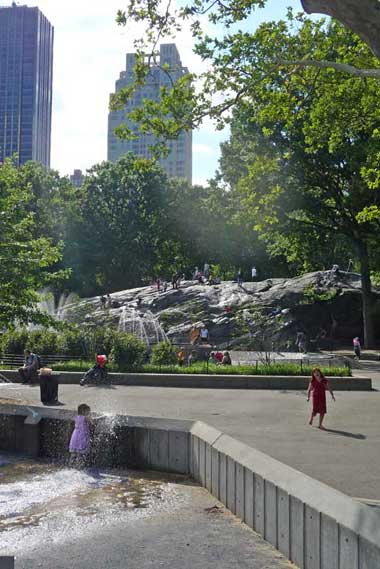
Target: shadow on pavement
(346,434)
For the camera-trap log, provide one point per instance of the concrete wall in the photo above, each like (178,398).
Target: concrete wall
(312,524)
(215,381)
(139,442)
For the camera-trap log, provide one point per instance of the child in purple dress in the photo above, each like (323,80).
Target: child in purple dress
(80,439)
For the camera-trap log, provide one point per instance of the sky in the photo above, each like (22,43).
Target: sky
(89,54)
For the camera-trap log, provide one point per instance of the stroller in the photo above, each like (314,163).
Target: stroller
(98,374)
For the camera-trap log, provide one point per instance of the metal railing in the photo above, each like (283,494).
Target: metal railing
(17,360)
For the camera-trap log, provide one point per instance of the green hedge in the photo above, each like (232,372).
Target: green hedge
(201,368)
(74,341)
(164,353)
(128,352)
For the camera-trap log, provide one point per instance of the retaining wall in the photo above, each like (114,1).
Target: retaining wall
(298,383)
(312,524)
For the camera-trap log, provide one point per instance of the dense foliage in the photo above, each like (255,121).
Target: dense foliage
(128,352)
(164,353)
(28,257)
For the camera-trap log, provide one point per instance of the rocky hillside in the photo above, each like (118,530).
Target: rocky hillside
(321,304)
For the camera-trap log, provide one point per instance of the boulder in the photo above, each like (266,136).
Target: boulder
(319,303)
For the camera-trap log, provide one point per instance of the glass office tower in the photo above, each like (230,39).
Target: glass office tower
(26,77)
(179,161)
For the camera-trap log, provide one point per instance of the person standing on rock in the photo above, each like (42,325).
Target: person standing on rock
(317,387)
(254,273)
(204,334)
(301,342)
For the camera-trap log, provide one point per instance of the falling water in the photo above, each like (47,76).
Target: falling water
(143,325)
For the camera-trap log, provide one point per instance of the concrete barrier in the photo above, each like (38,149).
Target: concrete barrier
(299,383)
(312,524)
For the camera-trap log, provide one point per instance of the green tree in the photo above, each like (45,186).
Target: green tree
(314,136)
(121,221)
(163,19)
(27,262)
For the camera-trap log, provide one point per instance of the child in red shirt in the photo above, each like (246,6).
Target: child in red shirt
(317,387)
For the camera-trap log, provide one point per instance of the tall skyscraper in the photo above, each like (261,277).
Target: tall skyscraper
(26,77)
(179,161)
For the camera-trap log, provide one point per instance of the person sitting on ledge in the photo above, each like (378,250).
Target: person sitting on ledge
(29,371)
(226,361)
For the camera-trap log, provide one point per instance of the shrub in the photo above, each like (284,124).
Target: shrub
(72,342)
(43,341)
(14,342)
(128,352)
(163,353)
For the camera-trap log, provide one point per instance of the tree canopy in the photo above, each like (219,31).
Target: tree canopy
(27,261)
(303,152)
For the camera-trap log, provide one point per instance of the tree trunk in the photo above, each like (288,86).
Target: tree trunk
(367,300)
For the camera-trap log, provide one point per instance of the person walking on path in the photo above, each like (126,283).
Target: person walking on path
(357,347)
(317,387)
(80,439)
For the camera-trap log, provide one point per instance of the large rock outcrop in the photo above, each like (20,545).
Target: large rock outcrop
(322,304)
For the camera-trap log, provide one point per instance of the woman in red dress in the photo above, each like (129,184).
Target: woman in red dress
(318,386)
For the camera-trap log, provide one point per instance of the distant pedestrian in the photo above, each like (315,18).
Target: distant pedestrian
(317,388)
(206,271)
(80,439)
(181,357)
(357,347)
(253,273)
(174,281)
(204,334)
(191,358)
(226,361)
(301,342)
(103,301)
(194,335)
(239,278)
(108,302)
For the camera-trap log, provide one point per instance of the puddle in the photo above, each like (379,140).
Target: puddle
(37,496)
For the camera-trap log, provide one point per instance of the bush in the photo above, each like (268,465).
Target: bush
(128,352)
(43,341)
(163,353)
(14,342)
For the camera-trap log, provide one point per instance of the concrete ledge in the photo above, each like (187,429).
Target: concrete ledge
(280,382)
(314,525)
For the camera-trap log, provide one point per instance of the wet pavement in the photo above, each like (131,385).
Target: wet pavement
(63,518)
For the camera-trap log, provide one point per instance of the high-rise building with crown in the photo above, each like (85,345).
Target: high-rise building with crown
(26,77)
(179,161)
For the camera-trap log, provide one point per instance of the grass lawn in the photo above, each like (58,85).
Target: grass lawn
(203,368)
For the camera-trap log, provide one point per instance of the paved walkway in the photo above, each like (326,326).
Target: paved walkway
(346,456)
